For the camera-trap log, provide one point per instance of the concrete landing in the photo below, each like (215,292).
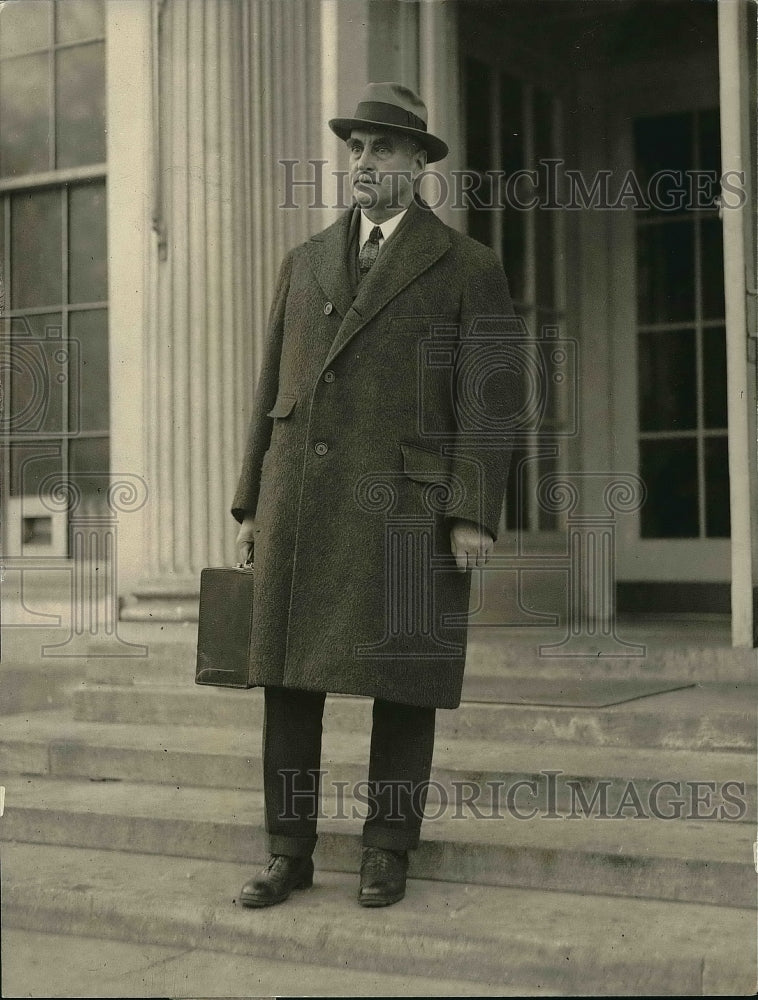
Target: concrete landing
(60,965)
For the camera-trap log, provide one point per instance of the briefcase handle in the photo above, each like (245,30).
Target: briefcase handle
(246,565)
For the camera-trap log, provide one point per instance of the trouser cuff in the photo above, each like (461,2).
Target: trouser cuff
(293,847)
(390,840)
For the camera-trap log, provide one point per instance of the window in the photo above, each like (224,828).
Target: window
(52,85)
(54,332)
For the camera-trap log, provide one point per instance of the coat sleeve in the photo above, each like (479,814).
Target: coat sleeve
(486,394)
(259,434)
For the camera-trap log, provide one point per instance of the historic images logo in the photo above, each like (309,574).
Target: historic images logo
(549,185)
(547,795)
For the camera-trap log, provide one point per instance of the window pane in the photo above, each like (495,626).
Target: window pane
(31,463)
(664,142)
(712,268)
(669,470)
(516,504)
(36,374)
(479,154)
(36,250)
(714,377)
(89,459)
(80,105)
(79,19)
(554,356)
(480,219)
(24,26)
(544,259)
(513,251)
(478,116)
(511,109)
(667,381)
(25,120)
(548,520)
(87,244)
(543,126)
(89,398)
(544,220)
(513,153)
(717,488)
(710,141)
(666,272)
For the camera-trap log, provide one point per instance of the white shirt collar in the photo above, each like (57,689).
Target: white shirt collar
(387,228)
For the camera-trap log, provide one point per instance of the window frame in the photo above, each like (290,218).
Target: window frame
(61,181)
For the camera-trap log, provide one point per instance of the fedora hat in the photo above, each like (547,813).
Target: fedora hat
(391,105)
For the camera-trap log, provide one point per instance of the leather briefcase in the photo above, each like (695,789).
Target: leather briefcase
(225,626)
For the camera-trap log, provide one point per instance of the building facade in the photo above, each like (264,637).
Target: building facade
(605,151)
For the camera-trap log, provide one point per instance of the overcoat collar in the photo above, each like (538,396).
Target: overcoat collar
(419,242)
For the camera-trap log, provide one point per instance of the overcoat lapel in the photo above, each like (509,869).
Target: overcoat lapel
(417,244)
(327,252)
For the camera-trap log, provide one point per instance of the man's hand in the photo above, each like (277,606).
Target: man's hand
(471,544)
(246,537)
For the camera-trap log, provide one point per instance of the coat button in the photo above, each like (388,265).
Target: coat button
(321,448)
(329,376)
(328,308)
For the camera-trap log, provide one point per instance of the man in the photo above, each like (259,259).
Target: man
(366,492)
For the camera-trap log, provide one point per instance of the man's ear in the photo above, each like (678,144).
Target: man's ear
(420,161)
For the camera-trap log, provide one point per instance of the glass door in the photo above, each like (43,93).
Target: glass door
(669,343)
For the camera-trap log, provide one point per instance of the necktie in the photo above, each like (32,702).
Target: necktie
(369,251)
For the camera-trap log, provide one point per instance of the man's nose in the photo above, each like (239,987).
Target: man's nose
(366,160)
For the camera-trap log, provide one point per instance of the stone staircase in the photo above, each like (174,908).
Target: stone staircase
(566,850)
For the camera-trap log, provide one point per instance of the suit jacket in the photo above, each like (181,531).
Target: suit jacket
(381,413)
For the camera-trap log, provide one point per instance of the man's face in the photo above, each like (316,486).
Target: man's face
(383,166)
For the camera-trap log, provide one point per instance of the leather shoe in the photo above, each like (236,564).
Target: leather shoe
(281,875)
(383,876)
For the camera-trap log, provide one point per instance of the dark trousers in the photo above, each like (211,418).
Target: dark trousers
(402,741)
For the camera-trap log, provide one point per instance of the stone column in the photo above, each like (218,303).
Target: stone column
(736,100)
(440,87)
(232,94)
(128,91)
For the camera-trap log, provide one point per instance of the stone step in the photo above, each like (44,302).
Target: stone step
(36,686)
(514,942)
(683,784)
(706,717)
(696,651)
(630,857)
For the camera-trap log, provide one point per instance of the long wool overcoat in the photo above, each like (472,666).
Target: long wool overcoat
(380,416)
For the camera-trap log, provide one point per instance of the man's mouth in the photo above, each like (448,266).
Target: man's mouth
(364,178)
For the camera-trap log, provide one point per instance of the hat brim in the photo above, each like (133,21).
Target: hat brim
(435,148)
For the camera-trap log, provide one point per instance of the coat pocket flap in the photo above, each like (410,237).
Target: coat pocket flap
(424,465)
(283,406)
